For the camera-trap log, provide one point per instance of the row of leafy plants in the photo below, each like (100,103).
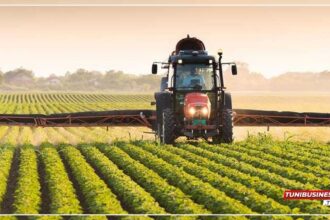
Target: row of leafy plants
(201,192)
(168,196)
(274,191)
(313,148)
(209,152)
(293,152)
(6,157)
(248,196)
(288,172)
(283,158)
(150,179)
(98,197)
(27,196)
(133,196)
(71,98)
(61,192)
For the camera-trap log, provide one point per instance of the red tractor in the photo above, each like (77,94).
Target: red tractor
(192,101)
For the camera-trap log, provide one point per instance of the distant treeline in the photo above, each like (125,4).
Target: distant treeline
(117,81)
(290,81)
(81,80)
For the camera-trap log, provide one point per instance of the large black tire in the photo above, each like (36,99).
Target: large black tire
(163,101)
(228,103)
(226,135)
(226,130)
(167,135)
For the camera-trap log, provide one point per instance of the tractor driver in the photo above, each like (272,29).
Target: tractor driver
(194,79)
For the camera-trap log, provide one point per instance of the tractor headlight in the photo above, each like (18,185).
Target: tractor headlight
(205,111)
(192,111)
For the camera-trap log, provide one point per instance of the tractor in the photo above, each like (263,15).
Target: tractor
(192,100)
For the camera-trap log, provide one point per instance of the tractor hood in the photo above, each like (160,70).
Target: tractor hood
(197,105)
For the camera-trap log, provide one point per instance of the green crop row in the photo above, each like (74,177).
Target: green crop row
(130,193)
(6,157)
(261,186)
(281,158)
(209,152)
(74,99)
(314,149)
(61,192)
(288,172)
(299,159)
(97,195)
(213,154)
(203,193)
(143,177)
(310,148)
(47,105)
(168,196)
(245,195)
(27,193)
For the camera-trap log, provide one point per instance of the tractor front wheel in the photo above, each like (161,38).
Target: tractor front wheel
(167,127)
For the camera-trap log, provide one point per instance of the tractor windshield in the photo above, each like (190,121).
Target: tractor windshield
(194,77)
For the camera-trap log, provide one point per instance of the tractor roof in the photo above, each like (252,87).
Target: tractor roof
(192,57)
(189,43)
(190,50)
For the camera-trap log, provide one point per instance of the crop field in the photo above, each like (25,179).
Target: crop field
(141,177)
(92,170)
(48,103)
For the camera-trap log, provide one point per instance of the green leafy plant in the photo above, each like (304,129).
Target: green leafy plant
(98,197)
(63,199)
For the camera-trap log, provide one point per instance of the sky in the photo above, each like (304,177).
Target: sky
(271,40)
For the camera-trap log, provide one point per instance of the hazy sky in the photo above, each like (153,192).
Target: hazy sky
(272,40)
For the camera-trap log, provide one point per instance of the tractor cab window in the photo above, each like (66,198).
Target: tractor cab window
(194,77)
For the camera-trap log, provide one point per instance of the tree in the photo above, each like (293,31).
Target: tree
(1,77)
(19,76)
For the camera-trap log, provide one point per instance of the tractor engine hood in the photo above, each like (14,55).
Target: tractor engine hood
(197,105)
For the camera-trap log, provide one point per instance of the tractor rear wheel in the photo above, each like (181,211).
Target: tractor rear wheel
(226,130)
(167,127)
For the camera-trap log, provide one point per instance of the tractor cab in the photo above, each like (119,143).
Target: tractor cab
(191,100)
(196,72)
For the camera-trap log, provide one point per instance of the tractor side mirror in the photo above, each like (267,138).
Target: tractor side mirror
(154,68)
(234,69)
